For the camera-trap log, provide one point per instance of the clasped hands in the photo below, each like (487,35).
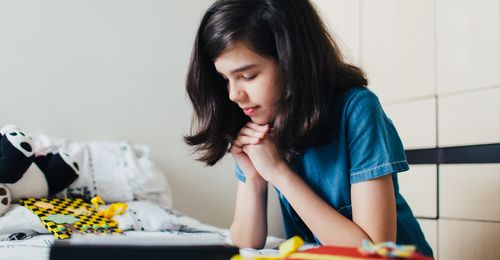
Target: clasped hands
(256,154)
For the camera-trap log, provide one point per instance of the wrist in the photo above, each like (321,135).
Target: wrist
(283,173)
(256,181)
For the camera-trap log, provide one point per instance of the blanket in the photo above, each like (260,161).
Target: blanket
(22,236)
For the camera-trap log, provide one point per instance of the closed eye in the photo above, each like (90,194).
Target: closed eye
(249,78)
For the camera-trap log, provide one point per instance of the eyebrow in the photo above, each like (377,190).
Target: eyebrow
(243,68)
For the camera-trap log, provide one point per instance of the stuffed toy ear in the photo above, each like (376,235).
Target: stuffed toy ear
(8,128)
(4,199)
(16,155)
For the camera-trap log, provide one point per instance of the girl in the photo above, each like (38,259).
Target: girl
(269,85)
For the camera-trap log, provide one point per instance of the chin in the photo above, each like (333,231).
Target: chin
(261,121)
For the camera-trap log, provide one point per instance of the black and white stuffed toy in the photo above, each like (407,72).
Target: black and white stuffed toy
(25,174)
(4,199)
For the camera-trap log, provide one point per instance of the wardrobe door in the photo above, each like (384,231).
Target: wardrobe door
(469,118)
(398,47)
(462,239)
(419,188)
(430,229)
(467,41)
(470,191)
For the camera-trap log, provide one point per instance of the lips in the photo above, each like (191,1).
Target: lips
(250,110)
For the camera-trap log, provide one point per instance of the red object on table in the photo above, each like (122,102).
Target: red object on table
(347,253)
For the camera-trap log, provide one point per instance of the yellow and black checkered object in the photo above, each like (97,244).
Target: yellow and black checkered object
(89,222)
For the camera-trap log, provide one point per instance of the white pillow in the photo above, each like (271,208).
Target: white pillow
(116,171)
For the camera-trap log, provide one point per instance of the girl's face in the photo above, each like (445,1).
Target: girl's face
(252,81)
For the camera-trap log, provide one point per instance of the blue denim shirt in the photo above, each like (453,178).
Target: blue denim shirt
(364,145)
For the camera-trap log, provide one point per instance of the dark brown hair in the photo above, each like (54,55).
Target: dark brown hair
(310,65)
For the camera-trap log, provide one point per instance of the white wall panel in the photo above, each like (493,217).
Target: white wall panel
(419,188)
(398,47)
(468,44)
(430,229)
(342,18)
(469,118)
(468,240)
(470,191)
(415,121)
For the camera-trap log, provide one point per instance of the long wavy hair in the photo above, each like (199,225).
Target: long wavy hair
(310,65)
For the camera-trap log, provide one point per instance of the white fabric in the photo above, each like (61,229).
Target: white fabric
(116,171)
(139,215)
(144,216)
(20,219)
(35,247)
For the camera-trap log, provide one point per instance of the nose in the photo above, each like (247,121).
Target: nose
(236,94)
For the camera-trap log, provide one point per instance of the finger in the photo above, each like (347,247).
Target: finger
(252,133)
(245,139)
(235,149)
(257,127)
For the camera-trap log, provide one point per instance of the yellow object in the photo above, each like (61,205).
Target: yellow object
(64,207)
(308,256)
(44,205)
(285,249)
(96,201)
(79,211)
(113,209)
(291,245)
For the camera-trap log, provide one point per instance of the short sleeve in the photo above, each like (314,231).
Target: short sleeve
(239,174)
(373,144)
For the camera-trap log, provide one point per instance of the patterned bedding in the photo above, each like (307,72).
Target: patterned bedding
(22,235)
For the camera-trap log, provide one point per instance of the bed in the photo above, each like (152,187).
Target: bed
(106,165)
(23,237)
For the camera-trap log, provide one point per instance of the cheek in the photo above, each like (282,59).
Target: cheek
(268,98)
(274,94)
(270,92)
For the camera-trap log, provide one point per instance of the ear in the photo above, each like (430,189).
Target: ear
(8,128)
(16,156)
